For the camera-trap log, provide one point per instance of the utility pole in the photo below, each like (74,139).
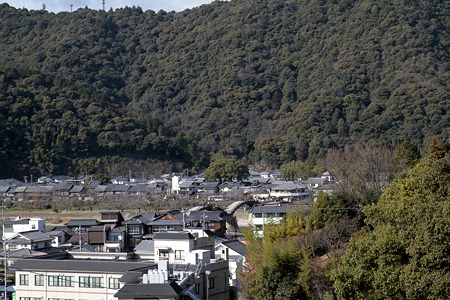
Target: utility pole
(4,253)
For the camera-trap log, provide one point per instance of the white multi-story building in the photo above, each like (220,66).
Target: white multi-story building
(48,279)
(173,246)
(261,215)
(185,273)
(12,227)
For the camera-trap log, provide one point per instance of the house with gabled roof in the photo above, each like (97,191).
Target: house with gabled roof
(18,225)
(169,221)
(120,180)
(289,191)
(234,251)
(32,240)
(75,225)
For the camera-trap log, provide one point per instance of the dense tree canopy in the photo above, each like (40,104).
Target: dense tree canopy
(267,81)
(226,169)
(407,253)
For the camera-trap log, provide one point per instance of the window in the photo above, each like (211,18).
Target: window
(164,253)
(210,283)
(84,281)
(39,280)
(259,227)
(134,230)
(257,215)
(95,282)
(114,283)
(24,279)
(28,298)
(179,254)
(61,280)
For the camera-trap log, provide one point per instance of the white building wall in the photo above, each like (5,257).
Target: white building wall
(33,225)
(74,292)
(172,246)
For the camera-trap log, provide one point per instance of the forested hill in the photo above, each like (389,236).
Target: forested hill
(264,80)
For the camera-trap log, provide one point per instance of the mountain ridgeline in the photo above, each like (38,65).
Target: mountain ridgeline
(267,81)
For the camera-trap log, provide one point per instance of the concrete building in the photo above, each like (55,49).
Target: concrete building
(260,215)
(51,279)
(12,227)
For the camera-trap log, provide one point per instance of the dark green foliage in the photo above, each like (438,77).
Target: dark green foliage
(269,81)
(49,126)
(406,255)
(406,155)
(226,169)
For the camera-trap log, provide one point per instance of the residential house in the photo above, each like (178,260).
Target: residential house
(289,191)
(120,180)
(170,221)
(260,215)
(216,221)
(32,240)
(76,225)
(12,227)
(230,187)
(208,188)
(172,246)
(112,217)
(234,251)
(60,238)
(77,191)
(61,190)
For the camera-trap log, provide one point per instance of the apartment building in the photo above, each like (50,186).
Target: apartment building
(70,279)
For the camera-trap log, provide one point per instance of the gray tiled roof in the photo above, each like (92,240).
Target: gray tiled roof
(173,236)
(288,186)
(34,236)
(82,222)
(149,291)
(73,265)
(4,188)
(145,246)
(209,216)
(165,222)
(236,246)
(9,222)
(268,209)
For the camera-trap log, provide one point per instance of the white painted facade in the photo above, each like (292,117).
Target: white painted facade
(12,227)
(69,285)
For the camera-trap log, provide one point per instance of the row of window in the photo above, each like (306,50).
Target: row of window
(164,253)
(57,280)
(28,298)
(268,215)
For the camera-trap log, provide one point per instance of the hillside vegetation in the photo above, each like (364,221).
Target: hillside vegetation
(267,81)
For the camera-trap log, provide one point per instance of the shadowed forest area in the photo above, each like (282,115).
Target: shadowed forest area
(269,82)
